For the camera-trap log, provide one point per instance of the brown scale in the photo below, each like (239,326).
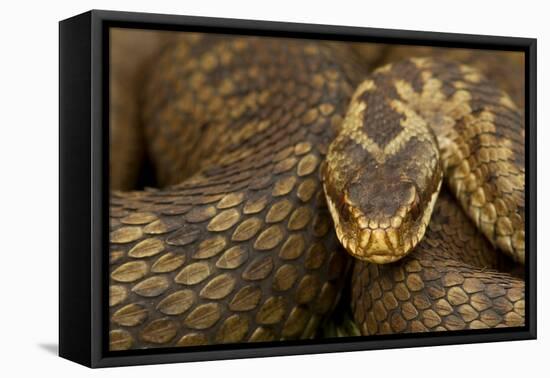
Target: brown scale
(503,67)
(479,131)
(244,249)
(482,154)
(449,282)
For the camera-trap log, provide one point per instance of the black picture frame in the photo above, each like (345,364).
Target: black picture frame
(84,193)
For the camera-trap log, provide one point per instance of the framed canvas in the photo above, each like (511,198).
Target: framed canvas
(234,188)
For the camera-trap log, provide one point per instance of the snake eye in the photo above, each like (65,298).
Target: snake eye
(344,211)
(346,214)
(415,206)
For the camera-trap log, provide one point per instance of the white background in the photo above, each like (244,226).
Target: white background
(29,187)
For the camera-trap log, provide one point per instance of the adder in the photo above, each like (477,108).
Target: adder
(274,156)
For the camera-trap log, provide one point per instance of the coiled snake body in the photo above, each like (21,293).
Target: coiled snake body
(246,136)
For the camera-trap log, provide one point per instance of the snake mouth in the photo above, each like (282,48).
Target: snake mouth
(374,241)
(379,241)
(378,245)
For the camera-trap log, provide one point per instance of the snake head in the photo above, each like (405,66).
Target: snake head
(381,216)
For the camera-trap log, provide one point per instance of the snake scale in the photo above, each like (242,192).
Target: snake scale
(245,136)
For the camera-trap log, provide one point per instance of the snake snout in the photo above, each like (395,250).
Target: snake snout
(381,241)
(380,245)
(379,222)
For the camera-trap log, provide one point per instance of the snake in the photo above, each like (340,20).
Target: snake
(291,177)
